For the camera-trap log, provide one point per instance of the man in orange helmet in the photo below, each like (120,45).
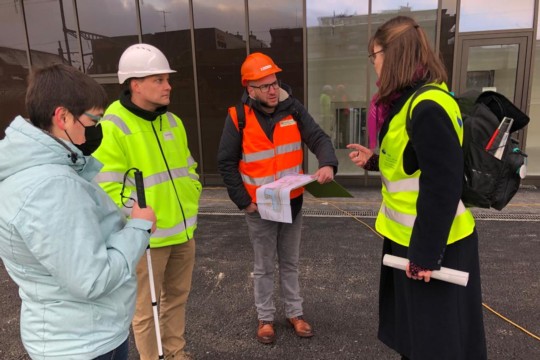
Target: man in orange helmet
(261,142)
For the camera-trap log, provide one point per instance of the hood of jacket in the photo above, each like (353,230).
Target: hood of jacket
(26,146)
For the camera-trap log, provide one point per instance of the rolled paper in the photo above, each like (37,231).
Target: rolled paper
(444,274)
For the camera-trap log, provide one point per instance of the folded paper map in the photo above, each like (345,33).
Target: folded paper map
(273,199)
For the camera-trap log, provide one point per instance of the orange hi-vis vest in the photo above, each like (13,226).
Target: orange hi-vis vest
(264,161)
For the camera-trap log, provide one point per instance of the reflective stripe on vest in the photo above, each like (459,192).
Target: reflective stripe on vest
(267,154)
(268,179)
(407,185)
(264,161)
(397,214)
(130,141)
(155,179)
(161,233)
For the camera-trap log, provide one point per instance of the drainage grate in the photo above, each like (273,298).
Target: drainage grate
(507,217)
(338,213)
(232,211)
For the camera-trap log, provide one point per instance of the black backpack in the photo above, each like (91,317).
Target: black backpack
(488,182)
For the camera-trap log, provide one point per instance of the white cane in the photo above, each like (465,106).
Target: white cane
(154,302)
(141,199)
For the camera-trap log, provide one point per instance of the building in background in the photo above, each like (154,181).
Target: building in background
(322,49)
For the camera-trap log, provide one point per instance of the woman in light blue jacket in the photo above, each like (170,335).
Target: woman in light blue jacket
(62,240)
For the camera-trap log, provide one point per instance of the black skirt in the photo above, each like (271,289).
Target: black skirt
(435,320)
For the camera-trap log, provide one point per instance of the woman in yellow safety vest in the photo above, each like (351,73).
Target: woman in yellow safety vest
(422,217)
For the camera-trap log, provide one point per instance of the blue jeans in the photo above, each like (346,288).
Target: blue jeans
(270,240)
(120,353)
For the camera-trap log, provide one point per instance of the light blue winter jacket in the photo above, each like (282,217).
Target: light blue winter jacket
(67,246)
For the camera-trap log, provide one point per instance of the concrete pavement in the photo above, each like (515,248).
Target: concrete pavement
(339,278)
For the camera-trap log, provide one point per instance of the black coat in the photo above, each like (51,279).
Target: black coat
(437,152)
(435,320)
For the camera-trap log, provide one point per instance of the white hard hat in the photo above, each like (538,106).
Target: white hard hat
(142,60)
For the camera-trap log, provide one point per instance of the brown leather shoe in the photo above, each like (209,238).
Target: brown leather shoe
(265,332)
(301,327)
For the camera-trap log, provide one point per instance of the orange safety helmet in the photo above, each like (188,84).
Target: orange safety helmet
(256,66)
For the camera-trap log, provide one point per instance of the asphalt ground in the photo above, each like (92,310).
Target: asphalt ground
(340,264)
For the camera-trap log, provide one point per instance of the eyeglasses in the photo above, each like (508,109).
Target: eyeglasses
(265,87)
(94,118)
(372,55)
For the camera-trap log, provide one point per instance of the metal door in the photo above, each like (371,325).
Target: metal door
(498,62)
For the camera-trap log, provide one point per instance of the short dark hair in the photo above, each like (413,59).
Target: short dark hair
(61,85)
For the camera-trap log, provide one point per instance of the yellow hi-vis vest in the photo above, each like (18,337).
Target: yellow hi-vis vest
(129,142)
(397,214)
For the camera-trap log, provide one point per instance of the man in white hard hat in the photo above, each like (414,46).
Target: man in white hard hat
(139,132)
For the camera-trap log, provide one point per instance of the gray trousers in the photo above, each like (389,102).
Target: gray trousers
(270,238)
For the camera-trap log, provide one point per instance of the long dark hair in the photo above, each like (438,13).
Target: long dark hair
(408,57)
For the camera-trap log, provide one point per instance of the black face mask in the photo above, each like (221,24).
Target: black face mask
(93,135)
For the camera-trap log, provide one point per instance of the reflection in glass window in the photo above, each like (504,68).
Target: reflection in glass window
(483,15)
(220,50)
(533,129)
(53,39)
(275,28)
(337,60)
(107,29)
(393,7)
(112,91)
(11,26)
(165,24)
(424,12)
(164,16)
(448,36)
(13,63)
(493,67)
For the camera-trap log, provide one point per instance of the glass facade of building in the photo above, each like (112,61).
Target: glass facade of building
(322,49)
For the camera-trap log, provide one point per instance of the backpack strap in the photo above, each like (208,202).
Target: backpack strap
(296,115)
(241,114)
(423,89)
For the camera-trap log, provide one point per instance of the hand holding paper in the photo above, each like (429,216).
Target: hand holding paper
(445,274)
(273,199)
